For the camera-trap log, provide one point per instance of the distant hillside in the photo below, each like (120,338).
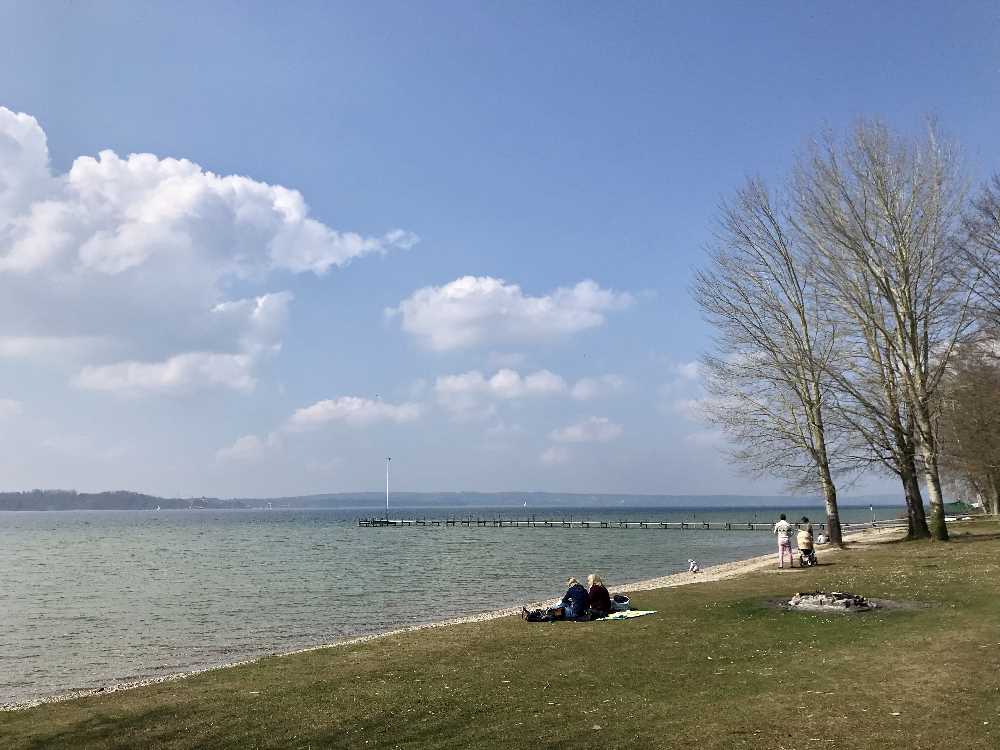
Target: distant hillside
(123,500)
(119,500)
(554,500)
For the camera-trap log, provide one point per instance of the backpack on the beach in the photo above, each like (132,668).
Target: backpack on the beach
(542,615)
(620,603)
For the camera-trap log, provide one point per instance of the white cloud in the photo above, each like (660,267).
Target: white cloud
(472,393)
(689,408)
(257,323)
(351,410)
(180,373)
(590,430)
(587,389)
(475,394)
(9,408)
(687,370)
(556,455)
(48,348)
(475,310)
(684,392)
(96,258)
(246,448)
(703,438)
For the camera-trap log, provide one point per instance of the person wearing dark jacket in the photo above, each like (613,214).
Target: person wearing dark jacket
(600,599)
(576,600)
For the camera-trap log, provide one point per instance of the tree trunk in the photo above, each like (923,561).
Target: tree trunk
(916,520)
(991,501)
(832,512)
(822,460)
(938,527)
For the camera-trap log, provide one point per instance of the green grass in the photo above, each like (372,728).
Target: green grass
(715,668)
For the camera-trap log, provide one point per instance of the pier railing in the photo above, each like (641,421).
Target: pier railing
(499,522)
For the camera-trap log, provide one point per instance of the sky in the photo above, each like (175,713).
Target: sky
(252,249)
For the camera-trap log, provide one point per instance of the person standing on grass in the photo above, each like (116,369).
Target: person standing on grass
(783,530)
(804,541)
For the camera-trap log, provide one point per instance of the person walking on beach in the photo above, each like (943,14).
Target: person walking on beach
(804,541)
(783,530)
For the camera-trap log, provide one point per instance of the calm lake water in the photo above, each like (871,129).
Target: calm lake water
(90,598)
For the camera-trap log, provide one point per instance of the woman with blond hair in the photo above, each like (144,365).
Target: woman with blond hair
(600,599)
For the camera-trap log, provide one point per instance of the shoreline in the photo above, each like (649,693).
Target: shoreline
(711,574)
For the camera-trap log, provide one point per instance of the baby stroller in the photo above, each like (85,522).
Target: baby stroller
(807,557)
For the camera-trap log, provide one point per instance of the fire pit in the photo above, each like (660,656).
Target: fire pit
(831,601)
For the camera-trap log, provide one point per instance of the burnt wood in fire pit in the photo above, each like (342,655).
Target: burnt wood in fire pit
(830,601)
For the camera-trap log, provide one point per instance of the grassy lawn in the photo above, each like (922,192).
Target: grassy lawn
(715,668)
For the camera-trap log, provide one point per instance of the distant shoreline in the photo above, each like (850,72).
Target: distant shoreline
(53,500)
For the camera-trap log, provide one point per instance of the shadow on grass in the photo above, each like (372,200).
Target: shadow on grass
(966,537)
(105,730)
(961,537)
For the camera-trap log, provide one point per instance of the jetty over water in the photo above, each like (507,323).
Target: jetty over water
(500,522)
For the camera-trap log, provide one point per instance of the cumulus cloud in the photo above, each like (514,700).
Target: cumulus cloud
(683,393)
(255,323)
(179,373)
(246,448)
(118,247)
(351,410)
(587,389)
(590,430)
(475,310)
(9,408)
(476,394)
(460,392)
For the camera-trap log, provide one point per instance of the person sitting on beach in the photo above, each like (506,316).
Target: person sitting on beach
(693,566)
(804,541)
(600,599)
(575,601)
(783,530)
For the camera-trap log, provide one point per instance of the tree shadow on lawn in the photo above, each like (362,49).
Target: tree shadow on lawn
(966,537)
(154,727)
(960,537)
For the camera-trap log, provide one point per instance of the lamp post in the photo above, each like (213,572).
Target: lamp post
(387,460)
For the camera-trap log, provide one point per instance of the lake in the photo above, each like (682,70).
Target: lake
(92,597)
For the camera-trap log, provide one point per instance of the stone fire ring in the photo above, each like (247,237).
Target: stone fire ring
(838,602)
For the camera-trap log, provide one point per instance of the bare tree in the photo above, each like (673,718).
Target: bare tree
(970,423)
(766,375)
(881,214)
(982,248)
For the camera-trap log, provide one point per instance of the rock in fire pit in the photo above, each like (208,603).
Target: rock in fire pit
(831,601)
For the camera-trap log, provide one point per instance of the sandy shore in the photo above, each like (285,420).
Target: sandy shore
(713,573)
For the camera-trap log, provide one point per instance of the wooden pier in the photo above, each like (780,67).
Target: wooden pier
(565,523)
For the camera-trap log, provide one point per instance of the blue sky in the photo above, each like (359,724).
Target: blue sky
(484,271)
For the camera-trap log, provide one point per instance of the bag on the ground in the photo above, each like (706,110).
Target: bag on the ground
(620,603)
(543,615)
